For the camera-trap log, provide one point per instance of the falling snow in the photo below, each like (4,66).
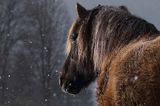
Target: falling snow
(45,100)
(54,94)
(9,76)
(43,35)
(45,48)
(135,78)
(8,34)
(30,42)
(56,71)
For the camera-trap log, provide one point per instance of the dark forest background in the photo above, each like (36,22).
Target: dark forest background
(32,42)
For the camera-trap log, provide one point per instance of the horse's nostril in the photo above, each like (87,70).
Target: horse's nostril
(70,84)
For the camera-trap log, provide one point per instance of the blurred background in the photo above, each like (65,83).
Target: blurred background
(32,43)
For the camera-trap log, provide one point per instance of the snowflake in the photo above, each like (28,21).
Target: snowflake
(9,76)
(45,100)
(135,78)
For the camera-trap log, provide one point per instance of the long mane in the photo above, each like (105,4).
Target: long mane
(110,28)
(106,29)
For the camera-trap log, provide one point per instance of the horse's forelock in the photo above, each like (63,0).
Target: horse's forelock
(83,26)
(69,40)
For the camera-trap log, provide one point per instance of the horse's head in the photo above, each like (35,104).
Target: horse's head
(83,48)
(78,71)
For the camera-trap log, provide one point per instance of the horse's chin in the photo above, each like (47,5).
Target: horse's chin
(74,92)
(71,91)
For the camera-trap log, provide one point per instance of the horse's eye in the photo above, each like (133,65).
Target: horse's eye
(74,36)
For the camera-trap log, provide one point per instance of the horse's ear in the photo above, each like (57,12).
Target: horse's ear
(124,8)
(81,11)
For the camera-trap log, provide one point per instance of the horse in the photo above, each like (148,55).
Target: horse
(118,50)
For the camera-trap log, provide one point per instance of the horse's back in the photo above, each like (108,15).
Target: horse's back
(134,75)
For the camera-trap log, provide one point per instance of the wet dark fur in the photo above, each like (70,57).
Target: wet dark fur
(110,43)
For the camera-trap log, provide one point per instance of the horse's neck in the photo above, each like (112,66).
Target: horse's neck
(103,76)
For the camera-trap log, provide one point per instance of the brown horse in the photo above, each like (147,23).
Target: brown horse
(118,49)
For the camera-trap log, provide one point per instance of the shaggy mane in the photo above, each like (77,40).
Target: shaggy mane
(108,28)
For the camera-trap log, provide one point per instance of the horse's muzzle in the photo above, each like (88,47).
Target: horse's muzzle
(68,87)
